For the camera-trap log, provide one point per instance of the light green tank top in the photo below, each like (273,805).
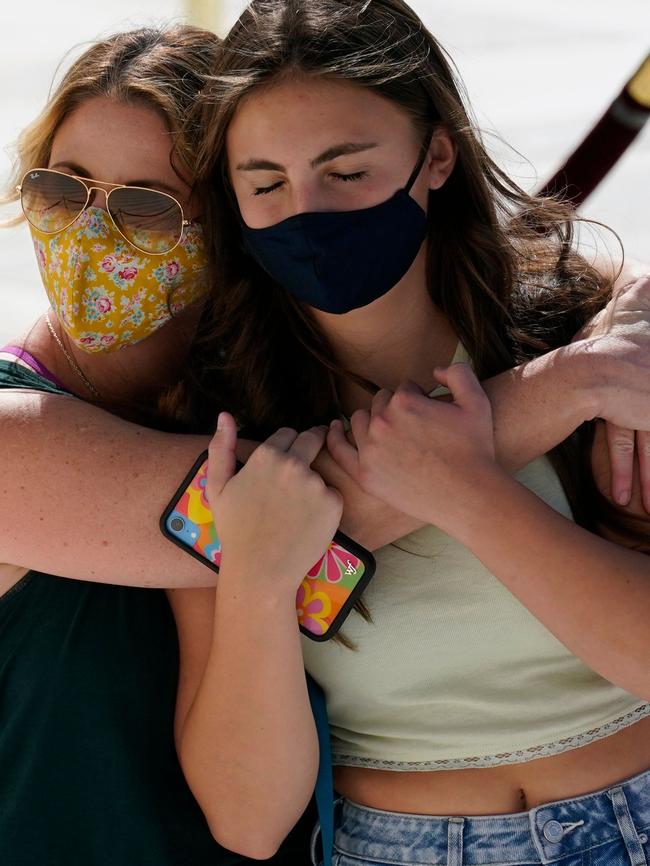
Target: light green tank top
(454,671)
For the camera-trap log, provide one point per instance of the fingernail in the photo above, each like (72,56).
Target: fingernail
(220,421)
(623,497)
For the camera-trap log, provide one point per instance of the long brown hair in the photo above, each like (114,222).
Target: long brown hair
(502,264)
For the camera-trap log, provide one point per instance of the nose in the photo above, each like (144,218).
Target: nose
(305,198)
(98,197)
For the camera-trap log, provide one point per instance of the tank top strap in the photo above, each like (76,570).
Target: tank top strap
(461,355)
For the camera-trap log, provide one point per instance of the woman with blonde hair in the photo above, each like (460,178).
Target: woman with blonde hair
(89,676)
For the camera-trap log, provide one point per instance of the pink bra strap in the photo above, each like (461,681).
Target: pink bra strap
(34,363)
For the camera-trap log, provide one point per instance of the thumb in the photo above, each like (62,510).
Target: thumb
(465,388)
(221,455)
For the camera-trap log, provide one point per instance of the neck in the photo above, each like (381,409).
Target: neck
(133,376)
(400,336)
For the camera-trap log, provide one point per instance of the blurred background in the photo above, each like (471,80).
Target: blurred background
(539,76)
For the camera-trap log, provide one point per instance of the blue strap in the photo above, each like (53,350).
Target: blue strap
(324,782)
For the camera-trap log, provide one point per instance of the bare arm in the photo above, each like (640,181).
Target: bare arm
(85,489)
(244,729)
(537,405)
(592,594)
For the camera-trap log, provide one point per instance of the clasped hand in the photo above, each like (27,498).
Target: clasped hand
(423,457)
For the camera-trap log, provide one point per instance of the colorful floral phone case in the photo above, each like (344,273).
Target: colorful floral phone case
(328,591)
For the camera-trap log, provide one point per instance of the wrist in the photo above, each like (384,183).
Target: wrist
(479,511)
(587,369)
(241,580)
(471,495)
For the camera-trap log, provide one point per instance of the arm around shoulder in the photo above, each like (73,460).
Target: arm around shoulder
(85,491)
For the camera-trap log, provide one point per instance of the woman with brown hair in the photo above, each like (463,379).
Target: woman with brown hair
(361,237)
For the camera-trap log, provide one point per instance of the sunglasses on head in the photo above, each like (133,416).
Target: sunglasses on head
(150,220)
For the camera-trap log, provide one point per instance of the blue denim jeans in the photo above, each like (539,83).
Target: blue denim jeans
(606,828)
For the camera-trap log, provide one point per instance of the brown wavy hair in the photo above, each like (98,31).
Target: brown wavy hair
(163,68)
(503,265)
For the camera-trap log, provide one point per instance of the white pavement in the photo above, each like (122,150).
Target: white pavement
(538,74)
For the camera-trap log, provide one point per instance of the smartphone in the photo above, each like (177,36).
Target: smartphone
(328,591)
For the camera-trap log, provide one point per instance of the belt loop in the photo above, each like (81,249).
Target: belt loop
(626,826)
(455,841)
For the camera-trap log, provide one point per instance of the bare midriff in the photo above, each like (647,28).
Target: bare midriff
(504,789)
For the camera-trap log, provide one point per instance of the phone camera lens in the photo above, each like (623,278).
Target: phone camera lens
(177,524)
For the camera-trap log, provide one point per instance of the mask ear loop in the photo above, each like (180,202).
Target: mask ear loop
(426,144)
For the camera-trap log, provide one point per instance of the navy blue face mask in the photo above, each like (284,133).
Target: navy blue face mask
(337,261)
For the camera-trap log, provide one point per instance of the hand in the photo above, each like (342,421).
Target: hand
(370,521)
(619,336)
(276,516)
(422,456)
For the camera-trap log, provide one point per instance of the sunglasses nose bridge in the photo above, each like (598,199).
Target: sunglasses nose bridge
(92,200)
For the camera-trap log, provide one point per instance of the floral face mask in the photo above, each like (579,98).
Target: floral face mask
(107,294)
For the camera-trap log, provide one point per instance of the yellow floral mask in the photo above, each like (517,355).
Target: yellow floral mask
(107,294)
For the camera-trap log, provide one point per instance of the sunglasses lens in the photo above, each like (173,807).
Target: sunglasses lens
(151,220)
(50,200)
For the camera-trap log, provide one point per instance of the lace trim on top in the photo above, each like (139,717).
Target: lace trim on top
(518,757)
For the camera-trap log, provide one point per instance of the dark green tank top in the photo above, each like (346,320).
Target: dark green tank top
(88,769)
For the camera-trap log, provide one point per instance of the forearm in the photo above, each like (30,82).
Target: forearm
(85,491)
(593,595)
(248,745)
(536,405)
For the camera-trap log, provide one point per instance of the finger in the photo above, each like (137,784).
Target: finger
(407,393)
(360,422)
(342,450)
(620,445)
(308,444)
(635,294)
(245,447)
(221,453)
(643,453)
(409,387)
(380,401)
(465,388)
(282,439)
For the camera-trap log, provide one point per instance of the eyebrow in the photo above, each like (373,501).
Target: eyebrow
(326,156)
(80,171)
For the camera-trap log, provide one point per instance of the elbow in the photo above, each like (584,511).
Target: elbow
(240,825)
(248,841)
(251,829)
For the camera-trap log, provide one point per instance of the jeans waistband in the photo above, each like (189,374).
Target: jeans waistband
(541,835)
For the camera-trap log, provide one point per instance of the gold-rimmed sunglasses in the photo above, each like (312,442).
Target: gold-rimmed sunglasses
(152,221)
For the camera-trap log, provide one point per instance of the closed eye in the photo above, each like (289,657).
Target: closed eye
(343,178)
(265,190)
(357,175)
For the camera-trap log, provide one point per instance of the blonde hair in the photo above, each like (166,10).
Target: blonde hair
(163,68)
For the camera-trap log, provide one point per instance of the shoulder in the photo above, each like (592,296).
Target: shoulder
(21,404)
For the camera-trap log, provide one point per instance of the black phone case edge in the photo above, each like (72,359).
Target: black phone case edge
(350,544)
